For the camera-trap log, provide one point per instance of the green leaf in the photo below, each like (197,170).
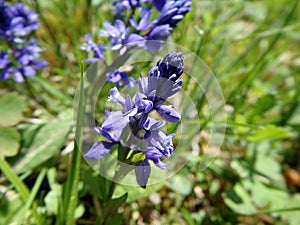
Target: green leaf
(12,107)
(79,211)
(136,192)
(114,220)
(9,141)
(113,205)
(10,205)
(293,217)
(262,105)
(269,132)
(254,197)
(47,142)
(53,199)
(96,185)
(181,183)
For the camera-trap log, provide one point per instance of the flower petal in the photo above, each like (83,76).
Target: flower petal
(168,113)
(142,173)
(99,150)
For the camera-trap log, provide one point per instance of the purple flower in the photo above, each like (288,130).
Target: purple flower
(159,4)
(16,21)
(173,12)
(4,19)
(143,23)
(156,37)
(120,78)
(146,136)
(4,61)
(99,150)
(119,35)
(162,80)
(133,28)
(111,129)
(27,62)
(21,57)
(98,50)
(23,21)
(142,173)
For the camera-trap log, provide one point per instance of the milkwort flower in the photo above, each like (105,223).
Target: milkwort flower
(20,57)
(146,136)
(134,26)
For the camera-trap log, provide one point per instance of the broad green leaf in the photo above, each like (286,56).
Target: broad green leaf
(269,132)
(79,211)
(53,199)
(249,198)
(47,142)
(28,132)
(12,107)
(293,217)
(239,200)
(9,141)
(181,183)
(136,192)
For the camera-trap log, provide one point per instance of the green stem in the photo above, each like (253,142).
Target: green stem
(71,188)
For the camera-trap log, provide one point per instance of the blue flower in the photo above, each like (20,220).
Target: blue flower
(90,45)
(26,62)
(173,12)
(120,78)
(146,136)
(159,4)
(119,35)
(133,26)
(162,83)
(16,21)
(21,57)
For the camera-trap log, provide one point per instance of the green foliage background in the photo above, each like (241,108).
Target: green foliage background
(252,47)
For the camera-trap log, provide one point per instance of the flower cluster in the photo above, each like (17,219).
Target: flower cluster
(20,56)
(136,24)
(146,136)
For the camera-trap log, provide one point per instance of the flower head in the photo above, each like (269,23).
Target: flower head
(16,21)
(134,26)
(21,56)
(146,136)
(173,12)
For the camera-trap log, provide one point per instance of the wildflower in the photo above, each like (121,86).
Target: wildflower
(24,63)
(16,21)
(120,78)
(146,136)
(133,26)
(98,50)
(119,35)
(21,56)
(172,12)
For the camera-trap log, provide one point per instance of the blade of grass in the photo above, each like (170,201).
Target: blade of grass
(32,195)
(261,63)
(53,91)
(20,187)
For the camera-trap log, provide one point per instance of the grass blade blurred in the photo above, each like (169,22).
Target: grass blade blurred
(20,187)
(32,195)
(261,62)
